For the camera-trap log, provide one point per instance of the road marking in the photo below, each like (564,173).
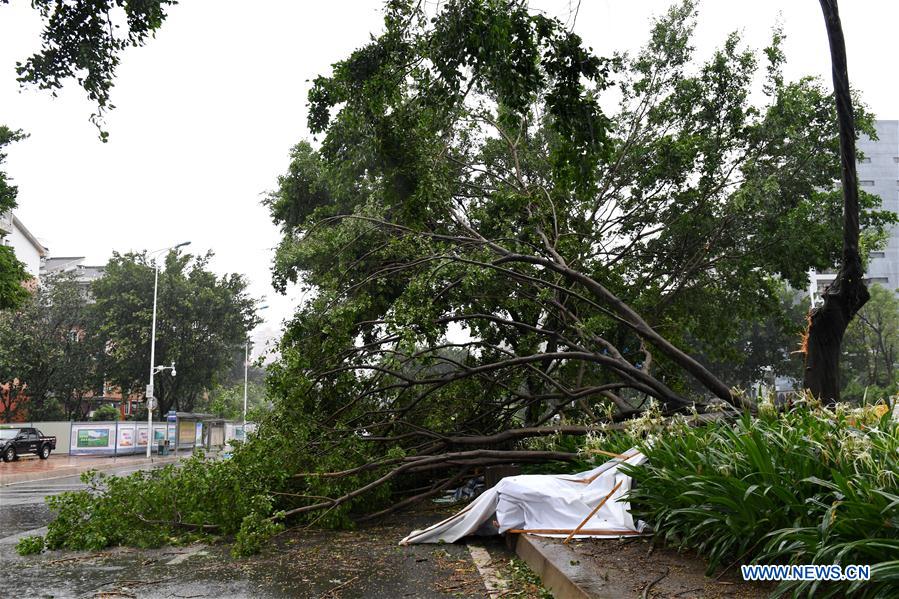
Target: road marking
(12,539)
(494,584)
(186,555)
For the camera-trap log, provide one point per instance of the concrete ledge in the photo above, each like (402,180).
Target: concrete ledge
(564,574)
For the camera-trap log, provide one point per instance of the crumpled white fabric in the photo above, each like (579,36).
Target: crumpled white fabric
(545,501)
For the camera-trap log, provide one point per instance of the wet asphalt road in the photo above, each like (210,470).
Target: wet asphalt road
(364,563)
(22,505)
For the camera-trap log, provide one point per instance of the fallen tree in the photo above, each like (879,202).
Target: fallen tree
(494,265)
(490,254)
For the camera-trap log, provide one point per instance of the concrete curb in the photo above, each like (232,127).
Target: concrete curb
(27,477)
(564,574)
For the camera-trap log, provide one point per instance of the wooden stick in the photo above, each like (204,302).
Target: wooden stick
(565,531)
(596,509)
(586,481)
(604,452)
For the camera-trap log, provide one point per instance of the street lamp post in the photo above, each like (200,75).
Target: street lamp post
(246,368)
(151,392)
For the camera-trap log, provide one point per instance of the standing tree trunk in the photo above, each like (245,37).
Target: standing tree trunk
(847,294)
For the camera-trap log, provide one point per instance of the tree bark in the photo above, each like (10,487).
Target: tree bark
(847,294)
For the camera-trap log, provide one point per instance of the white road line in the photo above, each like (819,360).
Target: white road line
(494,584)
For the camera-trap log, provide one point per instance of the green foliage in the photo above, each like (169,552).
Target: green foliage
(870,359)
(202,323)
(257,528)
(448,167)
(30,545)
(765,348)
(105,413)
(522,577)
(805,486)
(84,41)
(47,351)
(12,274)
(227,401)
(8,191)
(243,497)
(12,271)
(171,504)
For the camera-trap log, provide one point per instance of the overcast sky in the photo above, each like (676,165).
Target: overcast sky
(208,110)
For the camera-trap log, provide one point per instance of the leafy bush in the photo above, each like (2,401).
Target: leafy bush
(105,413)
(244,496)
(30,545)
(807,486)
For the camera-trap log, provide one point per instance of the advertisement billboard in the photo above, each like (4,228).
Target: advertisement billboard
(127,441)
(92,439)
(187,433)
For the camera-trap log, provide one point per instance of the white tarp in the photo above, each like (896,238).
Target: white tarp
(536,502)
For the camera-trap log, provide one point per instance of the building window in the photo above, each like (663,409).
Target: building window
(877,255)
(864,160)
(866,183)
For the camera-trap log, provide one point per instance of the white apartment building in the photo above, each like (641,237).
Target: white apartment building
(26,246)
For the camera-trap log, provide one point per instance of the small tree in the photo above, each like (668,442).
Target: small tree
(871,348)
(105,413)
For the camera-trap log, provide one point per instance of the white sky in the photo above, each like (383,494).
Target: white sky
(207,112)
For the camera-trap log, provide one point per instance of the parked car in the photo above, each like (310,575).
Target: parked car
(17,441)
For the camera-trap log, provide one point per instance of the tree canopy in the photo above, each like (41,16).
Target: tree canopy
(83,42)
(12,271)
(47,352)
(202,323)
(487,247)
(870,365)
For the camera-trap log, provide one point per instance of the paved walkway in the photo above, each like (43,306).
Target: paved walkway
(31,468)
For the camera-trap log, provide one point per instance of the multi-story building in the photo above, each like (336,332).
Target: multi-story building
(84,275)
(26,246)
(878,174)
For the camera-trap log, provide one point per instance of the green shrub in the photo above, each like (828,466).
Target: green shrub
(105,413)
(30,545)
(239,497)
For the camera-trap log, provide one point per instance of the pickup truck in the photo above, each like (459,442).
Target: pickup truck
(16,441)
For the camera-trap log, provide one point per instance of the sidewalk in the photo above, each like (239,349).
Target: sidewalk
(31,468)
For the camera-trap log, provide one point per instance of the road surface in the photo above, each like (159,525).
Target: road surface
(362,563)
(22,505)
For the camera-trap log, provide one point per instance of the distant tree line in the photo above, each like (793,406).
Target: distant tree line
(69,342)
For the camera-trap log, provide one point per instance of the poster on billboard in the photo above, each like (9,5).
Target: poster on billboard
(93,438)
(126,439)
(199,438)
(187,433)
(142,437)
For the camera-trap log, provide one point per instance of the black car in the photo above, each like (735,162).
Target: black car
(16,441)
